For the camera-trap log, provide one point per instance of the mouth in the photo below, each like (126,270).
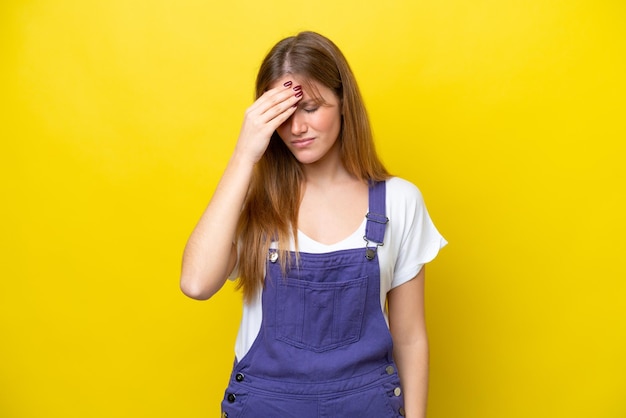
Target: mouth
(302,143)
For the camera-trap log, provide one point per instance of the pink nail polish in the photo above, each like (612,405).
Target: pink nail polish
(287,84)
(297,88)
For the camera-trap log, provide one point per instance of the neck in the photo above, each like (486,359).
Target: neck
(326,171)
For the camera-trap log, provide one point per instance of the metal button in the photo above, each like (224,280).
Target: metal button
(273,256)
(397,391)
(239,377)
(390,370)
(370,254)
(231,397)
(224,414)
(401,412)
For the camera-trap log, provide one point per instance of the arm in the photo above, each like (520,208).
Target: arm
(408,331)
(210,254)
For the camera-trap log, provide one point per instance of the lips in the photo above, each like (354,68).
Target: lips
(302,143)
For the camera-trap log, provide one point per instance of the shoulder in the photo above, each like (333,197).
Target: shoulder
(403,192)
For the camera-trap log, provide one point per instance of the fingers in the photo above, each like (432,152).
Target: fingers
(266,115)
(277,103)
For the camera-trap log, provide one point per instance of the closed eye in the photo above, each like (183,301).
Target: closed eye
(311,109)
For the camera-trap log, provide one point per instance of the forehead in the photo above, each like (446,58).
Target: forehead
(294,78)
(311,88)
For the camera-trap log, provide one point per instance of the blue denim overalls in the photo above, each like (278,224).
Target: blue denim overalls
(324,349)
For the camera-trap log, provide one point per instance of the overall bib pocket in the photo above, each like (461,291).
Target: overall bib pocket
(320,316)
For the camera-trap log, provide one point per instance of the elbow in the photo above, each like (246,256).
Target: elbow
(201,282)
(194,288)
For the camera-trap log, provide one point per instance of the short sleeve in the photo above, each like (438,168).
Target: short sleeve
(419,241)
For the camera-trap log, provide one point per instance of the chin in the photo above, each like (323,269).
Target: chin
(307,161)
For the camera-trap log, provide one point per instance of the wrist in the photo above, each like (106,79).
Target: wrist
(243,158)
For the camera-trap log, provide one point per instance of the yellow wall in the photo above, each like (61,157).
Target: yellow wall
(118,116)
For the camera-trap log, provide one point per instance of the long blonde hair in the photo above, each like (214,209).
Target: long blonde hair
(270,211)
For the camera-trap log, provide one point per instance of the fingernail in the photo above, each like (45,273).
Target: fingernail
(287,84)
(297,88)
(299,94)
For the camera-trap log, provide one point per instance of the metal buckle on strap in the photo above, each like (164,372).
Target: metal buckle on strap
(370,252)
(376,217)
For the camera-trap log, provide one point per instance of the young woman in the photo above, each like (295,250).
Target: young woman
(329,250)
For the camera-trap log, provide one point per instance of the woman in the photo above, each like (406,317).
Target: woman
(328,247)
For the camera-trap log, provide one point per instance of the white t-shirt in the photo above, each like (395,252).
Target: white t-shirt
(411,240)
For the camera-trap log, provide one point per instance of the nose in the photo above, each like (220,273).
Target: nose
(298,123)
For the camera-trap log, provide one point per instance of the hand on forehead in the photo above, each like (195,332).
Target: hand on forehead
(312,89)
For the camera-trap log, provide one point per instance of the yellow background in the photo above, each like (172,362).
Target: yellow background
(117,118)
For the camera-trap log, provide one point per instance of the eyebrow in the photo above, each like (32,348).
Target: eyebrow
(313,102)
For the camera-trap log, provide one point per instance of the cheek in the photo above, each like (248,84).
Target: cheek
(317,120)
(330,122)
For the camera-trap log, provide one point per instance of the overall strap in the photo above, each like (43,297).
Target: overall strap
(376,219)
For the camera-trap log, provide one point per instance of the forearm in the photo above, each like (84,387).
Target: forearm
(209,255)
(408,330)
(412,360)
